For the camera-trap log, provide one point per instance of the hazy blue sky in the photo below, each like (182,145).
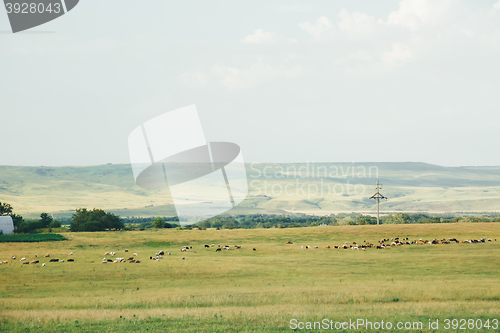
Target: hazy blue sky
(289,81)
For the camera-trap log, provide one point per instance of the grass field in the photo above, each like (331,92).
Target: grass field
(245,290)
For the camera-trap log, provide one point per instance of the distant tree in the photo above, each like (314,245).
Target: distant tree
(348,220)
(23,227)
(46,219)
(55,224)
(158,223)
(17,219)
(396,218)
(5,209)
(94,220)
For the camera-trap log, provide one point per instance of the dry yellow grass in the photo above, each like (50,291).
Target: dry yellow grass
(276,280)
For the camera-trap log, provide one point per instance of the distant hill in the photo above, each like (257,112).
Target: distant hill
(274,188)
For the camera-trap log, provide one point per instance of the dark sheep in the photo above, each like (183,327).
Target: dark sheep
(71,260)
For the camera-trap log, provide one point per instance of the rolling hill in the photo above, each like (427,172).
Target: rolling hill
(319,188)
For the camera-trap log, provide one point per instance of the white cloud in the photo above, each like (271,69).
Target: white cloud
(399,54)
(193,79)
(355,21)
(259,37)
(234,78)
(412,14)
(497,5)
(318,29)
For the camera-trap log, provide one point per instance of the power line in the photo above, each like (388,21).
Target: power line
(378,196)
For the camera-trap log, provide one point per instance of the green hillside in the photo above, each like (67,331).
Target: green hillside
(319,188)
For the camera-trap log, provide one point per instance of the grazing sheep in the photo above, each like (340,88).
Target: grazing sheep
(36,256)
(22,259)
(254,249)
(183,258)
(47,255)
(71,260)
(126,250)
(217,250)
(70,254)
(13,258)
(43,265)
(134,254)
(106,254)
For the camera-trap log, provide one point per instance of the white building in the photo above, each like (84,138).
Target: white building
(6,225)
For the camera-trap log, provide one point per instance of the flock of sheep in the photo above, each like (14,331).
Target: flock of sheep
(25,261)
(382,244)
(387,243)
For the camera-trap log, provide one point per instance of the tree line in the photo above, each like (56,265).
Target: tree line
(98,220)
(283,221)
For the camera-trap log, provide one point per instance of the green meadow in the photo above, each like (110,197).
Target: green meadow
(251,291)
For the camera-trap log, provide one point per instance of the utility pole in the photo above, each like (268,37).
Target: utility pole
(378,196)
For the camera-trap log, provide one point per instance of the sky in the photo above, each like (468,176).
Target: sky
(288,81)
